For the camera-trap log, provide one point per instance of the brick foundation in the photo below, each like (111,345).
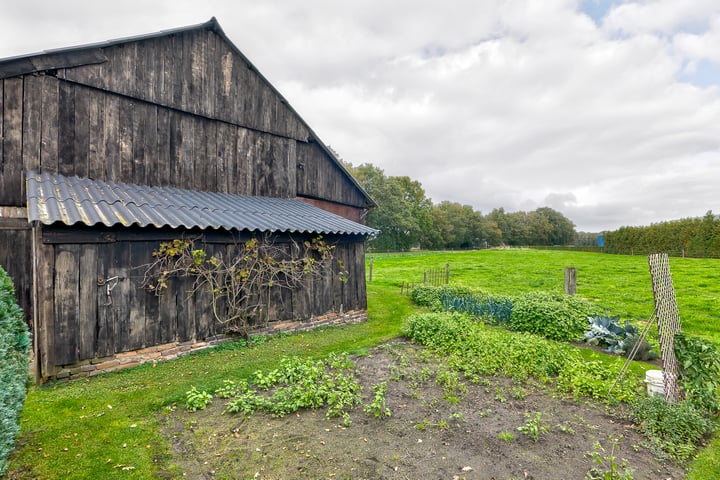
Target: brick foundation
(173,350)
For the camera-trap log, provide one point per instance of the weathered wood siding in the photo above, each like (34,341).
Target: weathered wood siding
(185,110)
(81,321)
(16,259)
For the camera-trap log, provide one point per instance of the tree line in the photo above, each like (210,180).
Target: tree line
(406,219)
(687,237)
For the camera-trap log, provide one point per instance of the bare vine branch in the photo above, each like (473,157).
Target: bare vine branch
(240,281)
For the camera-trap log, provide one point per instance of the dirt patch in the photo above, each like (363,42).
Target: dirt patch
(437,429)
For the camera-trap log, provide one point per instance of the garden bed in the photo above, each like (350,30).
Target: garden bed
(436,430)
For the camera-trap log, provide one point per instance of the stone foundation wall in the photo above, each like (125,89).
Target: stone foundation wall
(173,350)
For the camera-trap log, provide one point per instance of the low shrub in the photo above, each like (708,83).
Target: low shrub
(14,349)
(553,316)
(673,429)
(494,310)
(479,350)
(430,296)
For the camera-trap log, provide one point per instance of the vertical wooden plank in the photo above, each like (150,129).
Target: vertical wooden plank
(244,153)
(168,312)
(125,132)
(96,126)
(32,112)
(111,137)
(66,130)
(175,75)
(151,151)
(49,149)
(186,165)
(139,129)
(290,167)
(186,307)
(66,304)
(105,332)
(128,73)
(221,153)
(153,327)
(11,168)
(199,157)
(164,153)
(175,148)
(120,296)
(224,63)
(210,92)
(362,285)
(187,88)
(140,81)
(88,299)
(136,298)
(212,184)
(81,146)
(153,66)
(44,288)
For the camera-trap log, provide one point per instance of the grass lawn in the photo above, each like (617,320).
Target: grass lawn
(107,426)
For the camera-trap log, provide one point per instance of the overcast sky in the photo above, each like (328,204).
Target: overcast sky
(608,111)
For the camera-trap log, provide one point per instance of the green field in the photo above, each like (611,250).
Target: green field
(107,426)
(617,284)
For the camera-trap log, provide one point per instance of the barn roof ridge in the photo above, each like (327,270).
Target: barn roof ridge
(54,198)
(87,54)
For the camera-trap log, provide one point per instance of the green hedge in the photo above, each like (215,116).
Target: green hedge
(14,349)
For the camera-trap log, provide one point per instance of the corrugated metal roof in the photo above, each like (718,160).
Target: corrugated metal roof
(74,200)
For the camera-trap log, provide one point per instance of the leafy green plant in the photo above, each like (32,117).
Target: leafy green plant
(699,371)
(197,400)
(506,436)
(377,406)
(297,384)
(673,429)
(606,464)
(534,426)
(605,331)
(231,388)
(246,403)
(453,388)
(556,317)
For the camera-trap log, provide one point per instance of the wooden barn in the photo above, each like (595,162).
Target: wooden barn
(108,149)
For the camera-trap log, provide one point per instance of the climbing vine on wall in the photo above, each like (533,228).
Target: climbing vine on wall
(240,278)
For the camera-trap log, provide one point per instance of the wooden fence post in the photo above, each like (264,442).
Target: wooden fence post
(370,272)
(570,280)
(425,276)
(447,273)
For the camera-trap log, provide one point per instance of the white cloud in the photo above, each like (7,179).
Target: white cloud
(515,104)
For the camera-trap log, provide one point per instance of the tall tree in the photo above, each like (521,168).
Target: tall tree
(403,212)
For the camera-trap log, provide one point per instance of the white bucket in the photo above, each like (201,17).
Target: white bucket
(655,381)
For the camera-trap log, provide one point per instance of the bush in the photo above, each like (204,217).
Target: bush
(493,310)
(14,349)
(478,350)
(429,296)
(672,428)
(556,317)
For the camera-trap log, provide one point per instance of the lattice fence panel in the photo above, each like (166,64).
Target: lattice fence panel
(668,320)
